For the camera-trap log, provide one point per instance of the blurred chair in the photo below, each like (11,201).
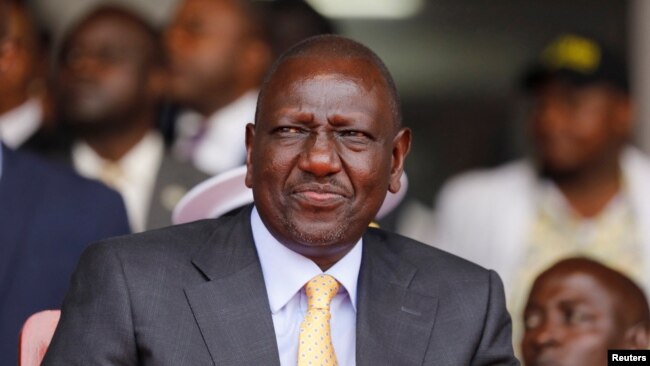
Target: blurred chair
(35,337)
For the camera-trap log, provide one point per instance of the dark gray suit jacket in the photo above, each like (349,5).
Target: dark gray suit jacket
(194,295)
(173,180)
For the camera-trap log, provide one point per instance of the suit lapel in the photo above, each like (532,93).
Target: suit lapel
(394,323)
(231,308)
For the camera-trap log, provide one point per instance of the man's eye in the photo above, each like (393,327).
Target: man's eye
(578,317)
(289,130)
(532,321)
(355,135)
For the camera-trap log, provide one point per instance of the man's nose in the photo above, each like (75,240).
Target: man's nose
(320,156)
(84,66)
(547,334)
(550,119)
(173,38)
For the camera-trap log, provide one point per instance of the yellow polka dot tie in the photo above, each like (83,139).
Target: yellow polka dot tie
(315,344)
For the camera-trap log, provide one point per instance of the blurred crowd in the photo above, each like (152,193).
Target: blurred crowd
(105,129)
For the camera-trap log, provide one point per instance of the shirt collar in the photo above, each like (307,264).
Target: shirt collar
(18,124)
(136,164)
(286,272)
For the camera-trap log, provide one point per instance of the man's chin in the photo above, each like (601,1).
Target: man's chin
(315,233)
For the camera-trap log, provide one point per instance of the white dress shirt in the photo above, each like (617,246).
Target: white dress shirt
(20,123)
(222,145)
(138,172)
(285,273)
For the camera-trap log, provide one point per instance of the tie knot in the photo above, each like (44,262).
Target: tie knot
(320,290)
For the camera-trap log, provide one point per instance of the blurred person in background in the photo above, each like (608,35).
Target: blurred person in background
(290,21)
(218,52)
(577,310)
(23,97)
(110,84)
(48,215)
(583,191)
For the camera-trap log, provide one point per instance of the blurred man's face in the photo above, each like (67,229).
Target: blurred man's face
(577,127)
(323,153)
(570,320)
(204,44)
(104,76)
(15,83)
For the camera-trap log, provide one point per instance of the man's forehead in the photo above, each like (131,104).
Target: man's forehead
(572,285)
(335,70)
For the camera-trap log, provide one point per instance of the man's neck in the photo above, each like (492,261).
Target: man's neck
(11,101)
(217,104)
(588,191)
(114,145)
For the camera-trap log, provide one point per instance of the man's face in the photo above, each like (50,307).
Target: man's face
(323,153)
(570,320)
(104,73)
(16,82)
(204,45)
(575,127)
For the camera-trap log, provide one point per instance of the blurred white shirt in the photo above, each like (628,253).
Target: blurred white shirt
(221,144)
(20,123)
(133,176)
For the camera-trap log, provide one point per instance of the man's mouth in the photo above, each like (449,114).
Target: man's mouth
(322,195)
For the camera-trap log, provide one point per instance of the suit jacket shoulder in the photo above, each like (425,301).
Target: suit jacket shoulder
(189,294)
(48,215)
(194,294)
(419,305)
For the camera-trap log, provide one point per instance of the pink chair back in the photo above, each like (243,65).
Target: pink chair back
(35,337)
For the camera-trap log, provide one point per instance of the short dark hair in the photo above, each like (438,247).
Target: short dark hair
(289,22)
(156,55)
(334,46)
(4,19)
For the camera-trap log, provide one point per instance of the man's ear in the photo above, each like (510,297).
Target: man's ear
(401,148)
(158,83)
(637,337)
(250,138)
(7,54)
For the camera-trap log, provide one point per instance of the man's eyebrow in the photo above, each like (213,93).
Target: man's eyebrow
(573,301)
(295,113)
(533,307)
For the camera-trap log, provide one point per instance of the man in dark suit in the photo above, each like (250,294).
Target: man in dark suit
(244,289)
(48,215)
(110,83)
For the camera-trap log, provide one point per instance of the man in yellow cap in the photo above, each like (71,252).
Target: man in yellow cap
(582,192)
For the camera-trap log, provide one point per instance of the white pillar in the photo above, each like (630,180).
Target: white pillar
(639,46)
